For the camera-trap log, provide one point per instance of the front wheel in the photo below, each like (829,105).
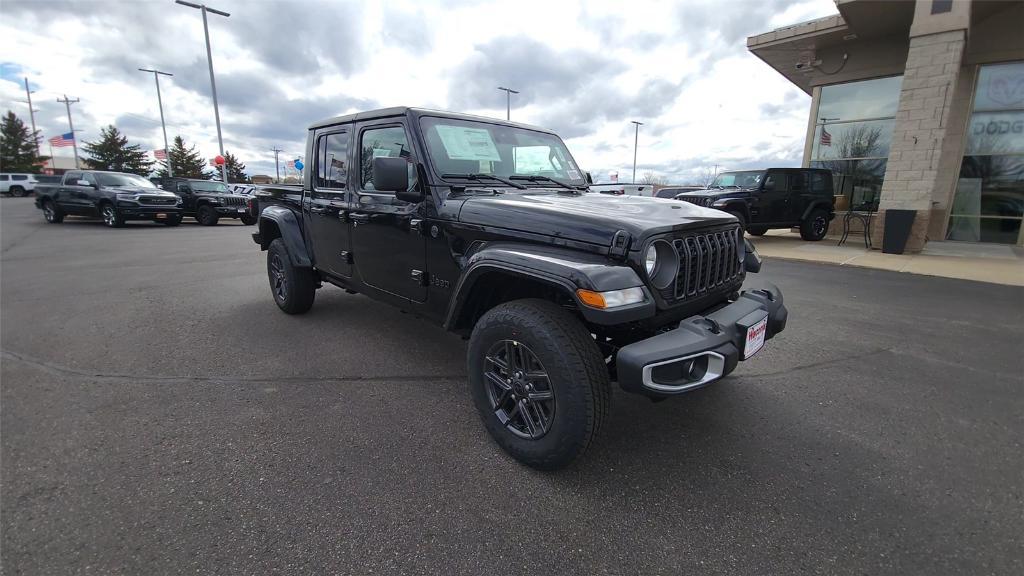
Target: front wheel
(756,230)
(52,214)
(741,217)
(815,226)
(293,288)
(111,217)
(248,220)
(538,381)
(17,191)
(172,220)
(207,215)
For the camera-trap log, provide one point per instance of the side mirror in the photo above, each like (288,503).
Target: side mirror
(752,260)
(83,183)
(392,175)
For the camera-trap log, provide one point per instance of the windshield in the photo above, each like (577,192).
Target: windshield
(209,187)
(468,147)
(748,179)
(116,179)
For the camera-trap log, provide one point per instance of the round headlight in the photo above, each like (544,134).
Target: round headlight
(651,259)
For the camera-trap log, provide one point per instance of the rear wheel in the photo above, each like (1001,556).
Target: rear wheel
(111,217)
(206,215)
(538,381)
(815,226)
(17,191)
(756,230)
(293,288)
(52,214)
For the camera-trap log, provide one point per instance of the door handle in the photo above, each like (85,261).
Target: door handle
(317,210)
(359,218)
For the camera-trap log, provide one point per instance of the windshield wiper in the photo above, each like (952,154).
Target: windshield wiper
(536,178)
(480,176)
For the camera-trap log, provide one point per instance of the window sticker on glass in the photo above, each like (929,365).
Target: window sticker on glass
(531,159)
(462,143)
(381,152)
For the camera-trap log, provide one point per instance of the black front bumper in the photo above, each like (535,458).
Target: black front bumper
(232,211)
(148,212)
(702,349)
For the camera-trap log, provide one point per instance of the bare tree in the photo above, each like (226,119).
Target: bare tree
(706,175)
(652,179)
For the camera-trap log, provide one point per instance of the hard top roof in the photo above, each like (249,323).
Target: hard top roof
(417,112)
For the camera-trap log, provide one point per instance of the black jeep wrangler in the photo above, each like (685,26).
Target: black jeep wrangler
(773,198)
(484,227)
(209,200)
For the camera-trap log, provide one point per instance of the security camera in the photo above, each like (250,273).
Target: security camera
(806,66)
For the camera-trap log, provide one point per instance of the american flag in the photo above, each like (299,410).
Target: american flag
(160,154)
(826,138)
(63,140)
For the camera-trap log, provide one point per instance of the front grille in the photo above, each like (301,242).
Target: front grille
(158,200)
(698,200)
(234,201)
(708,260)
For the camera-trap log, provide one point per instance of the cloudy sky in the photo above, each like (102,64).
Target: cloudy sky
(583,68)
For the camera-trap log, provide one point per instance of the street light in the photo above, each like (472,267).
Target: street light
(508,101)
(159,101)
(213,84)
(636,140)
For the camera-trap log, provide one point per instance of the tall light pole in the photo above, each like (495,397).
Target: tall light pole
(508,101)
(67,102)
(159,101)
(636,140)
(213,84)
(32,114)
(277,164)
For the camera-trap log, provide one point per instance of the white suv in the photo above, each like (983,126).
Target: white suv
(17,184)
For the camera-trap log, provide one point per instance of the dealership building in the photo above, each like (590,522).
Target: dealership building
(917,105)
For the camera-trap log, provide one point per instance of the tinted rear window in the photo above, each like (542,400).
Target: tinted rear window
(19,177)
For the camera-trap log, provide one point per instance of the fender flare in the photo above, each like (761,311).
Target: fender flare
(288,229)
(563,269)
(828,206)
(735,205)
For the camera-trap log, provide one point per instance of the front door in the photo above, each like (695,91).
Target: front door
(325,205)
(389,250)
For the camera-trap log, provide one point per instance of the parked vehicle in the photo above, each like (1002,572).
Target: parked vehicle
(673,191)
(484,227)
(49,178)
(243,189)
(116,197)
(209,200)
(623,189)
(773,198)
(17,184)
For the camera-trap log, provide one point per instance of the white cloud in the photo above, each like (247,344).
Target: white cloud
(586,67)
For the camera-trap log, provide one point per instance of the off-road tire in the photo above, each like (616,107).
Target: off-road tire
(300,284)
(17,191)
(52,214)
(249,220)
(207,215)
(170,220)
(577,374)
(756,230)
(111,217)
(815,226)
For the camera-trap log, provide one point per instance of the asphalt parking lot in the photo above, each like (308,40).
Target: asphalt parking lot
(158,414)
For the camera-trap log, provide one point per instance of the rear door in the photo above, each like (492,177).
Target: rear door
(799,195)
(389,250)
(325,206)
(774,198)
(64,197)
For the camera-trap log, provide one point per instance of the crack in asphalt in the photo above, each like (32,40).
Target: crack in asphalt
(54,368)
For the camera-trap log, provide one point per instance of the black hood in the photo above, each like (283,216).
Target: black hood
(593,218)
(140,190)
(719,192)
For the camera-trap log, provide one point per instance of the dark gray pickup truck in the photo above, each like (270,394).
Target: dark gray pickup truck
(113,196)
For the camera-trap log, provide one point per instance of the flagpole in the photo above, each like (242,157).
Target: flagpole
(74,141)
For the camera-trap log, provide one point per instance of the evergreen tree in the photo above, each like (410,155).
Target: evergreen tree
(186,162)
(235,169)
(18,146)
(113,153)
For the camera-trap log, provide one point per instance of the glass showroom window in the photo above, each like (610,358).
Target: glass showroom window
(852,135)
(989,201)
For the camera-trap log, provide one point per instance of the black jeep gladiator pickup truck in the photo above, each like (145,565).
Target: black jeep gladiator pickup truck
(209,200)
(484,227)
(772,198)
(113,196)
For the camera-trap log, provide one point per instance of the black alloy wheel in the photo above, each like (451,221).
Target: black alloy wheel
(815,226)
(278,278)
(293,287)
(519,389)
(17,191)
(206,215)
